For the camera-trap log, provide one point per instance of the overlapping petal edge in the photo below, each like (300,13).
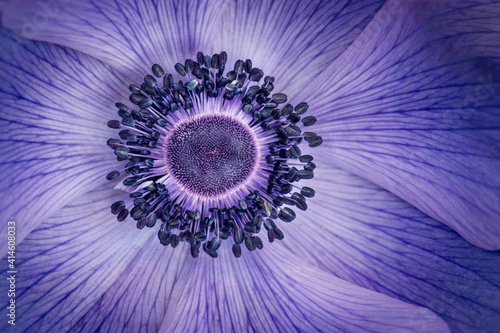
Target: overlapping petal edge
(415,108)
(55,103)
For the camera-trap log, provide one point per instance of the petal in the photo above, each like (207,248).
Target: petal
(405,111)
(366,235)
(82,269)
(55,104)
(473,27)
(128,35)
(292,40)
(271,291)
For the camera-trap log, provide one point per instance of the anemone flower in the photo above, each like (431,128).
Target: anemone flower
(397,231)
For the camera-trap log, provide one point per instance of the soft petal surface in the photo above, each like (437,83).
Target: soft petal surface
(55,104)
(472,25)
(128,35)
(368,236)
(83,270)
(401,108)
(274,291)
(292,40)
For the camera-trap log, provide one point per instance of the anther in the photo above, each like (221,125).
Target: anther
(286,214)
(307,192)
(114,124)
(112,175)
(158,70)
(180,69)
(301,108)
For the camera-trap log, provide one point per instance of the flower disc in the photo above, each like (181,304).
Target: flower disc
(211,155)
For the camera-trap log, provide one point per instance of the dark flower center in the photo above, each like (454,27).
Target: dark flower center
(212,157)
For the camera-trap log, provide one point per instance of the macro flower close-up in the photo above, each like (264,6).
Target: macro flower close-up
(250,166)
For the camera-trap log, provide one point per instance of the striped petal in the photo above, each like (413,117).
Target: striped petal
(84,270)
(274,291)
(368,236)
(403,109)
(55,104)
(128,35)
(292,40)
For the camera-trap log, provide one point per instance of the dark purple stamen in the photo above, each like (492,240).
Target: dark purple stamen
(212,157)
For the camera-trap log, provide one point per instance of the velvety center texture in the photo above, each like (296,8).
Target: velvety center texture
(211,155)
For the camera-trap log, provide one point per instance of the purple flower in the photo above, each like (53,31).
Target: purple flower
(402,234)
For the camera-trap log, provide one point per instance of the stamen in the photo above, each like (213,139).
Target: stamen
(212,157)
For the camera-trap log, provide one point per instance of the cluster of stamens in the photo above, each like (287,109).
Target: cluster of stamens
(195,177)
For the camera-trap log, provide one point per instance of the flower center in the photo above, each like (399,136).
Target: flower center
(212,157)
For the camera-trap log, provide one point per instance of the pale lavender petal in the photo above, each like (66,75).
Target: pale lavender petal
(274,291)
(82,269)
(292,40)
(128,35)
(366,235)
(55,105)
(401,108)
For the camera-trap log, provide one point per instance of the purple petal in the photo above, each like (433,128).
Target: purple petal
(473,27)
(55,104)
(401,108)
(273,291)
(366,235)
(292,40)
(82,269)
(128,35)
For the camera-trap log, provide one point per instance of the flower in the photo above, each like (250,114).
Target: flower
(400,236)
